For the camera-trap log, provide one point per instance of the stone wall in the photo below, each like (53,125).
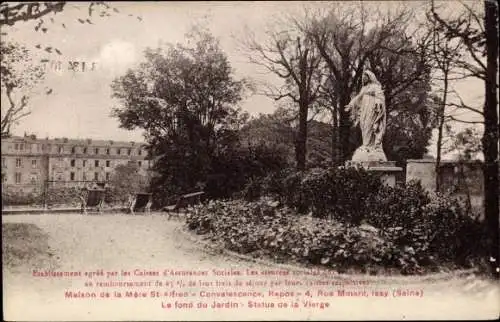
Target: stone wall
(461,179)
(423,170)
(456,177)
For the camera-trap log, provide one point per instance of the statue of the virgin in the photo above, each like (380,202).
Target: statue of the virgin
(368,110)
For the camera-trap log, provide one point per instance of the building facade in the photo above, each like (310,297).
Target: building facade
(29,164)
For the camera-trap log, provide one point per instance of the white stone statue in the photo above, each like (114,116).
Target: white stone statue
(368,110)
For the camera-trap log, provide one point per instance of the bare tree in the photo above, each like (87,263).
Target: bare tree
(292,56)
(19,75)
(479,35)
(445,52)
(346,39)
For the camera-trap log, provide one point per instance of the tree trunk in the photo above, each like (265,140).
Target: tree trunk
(440,131)
(490,137)
(301,141)
(336,159)
(344,128)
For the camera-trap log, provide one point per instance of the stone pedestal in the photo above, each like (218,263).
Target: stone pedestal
(387,169)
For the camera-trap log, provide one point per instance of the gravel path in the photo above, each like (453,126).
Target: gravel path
(154,243)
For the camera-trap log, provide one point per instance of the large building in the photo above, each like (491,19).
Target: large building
(30,163)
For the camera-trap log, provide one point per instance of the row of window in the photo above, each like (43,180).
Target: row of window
(34,163)
(60,149)
(19,163)
(18,177)
(96,163)
(72,176)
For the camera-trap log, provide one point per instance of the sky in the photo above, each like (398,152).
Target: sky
(81,103)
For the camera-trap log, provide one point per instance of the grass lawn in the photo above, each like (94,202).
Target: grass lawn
(24,246)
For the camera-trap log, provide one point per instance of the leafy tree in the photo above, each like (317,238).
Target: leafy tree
(126,179)
(277,130)
(185,99)
(19,76)
(467,143)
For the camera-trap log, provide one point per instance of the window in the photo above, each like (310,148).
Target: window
(108,163)
(4,177)
(85,150)
(119,151)
(73,163)
(72,176)
(18,163)
(96,176)
(33,164)
(73,149)
(18,177)
(107,151)
(4,163)
(84,176)
(96,150)
(129,151)
(140,151)
(60,149)
(96,163)
(107,176)
(16,146)
(84,163)
(33,178)
(139,163)
(21,147)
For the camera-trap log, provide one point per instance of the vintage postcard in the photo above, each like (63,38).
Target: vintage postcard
(206,161)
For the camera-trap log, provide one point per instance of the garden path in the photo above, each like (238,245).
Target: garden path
(124,242)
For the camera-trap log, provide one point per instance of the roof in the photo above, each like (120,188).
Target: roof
(69,141)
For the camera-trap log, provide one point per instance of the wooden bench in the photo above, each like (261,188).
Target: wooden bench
(185,201)
(141,202)
(92,198)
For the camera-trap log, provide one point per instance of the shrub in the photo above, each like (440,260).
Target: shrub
(18,198)
(339,193)
(234,170)
(410,231)
(63,196)
(396,207)
(326,193)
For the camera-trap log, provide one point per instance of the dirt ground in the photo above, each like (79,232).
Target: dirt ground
(116,243)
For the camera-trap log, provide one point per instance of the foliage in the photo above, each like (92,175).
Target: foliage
(63,196)
(17,198)
(467,143)
(276,130)
(234,167)
(185,98)
(325,193)
(125,180)
(266,227)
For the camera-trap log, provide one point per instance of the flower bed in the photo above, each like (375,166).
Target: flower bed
(402,229)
